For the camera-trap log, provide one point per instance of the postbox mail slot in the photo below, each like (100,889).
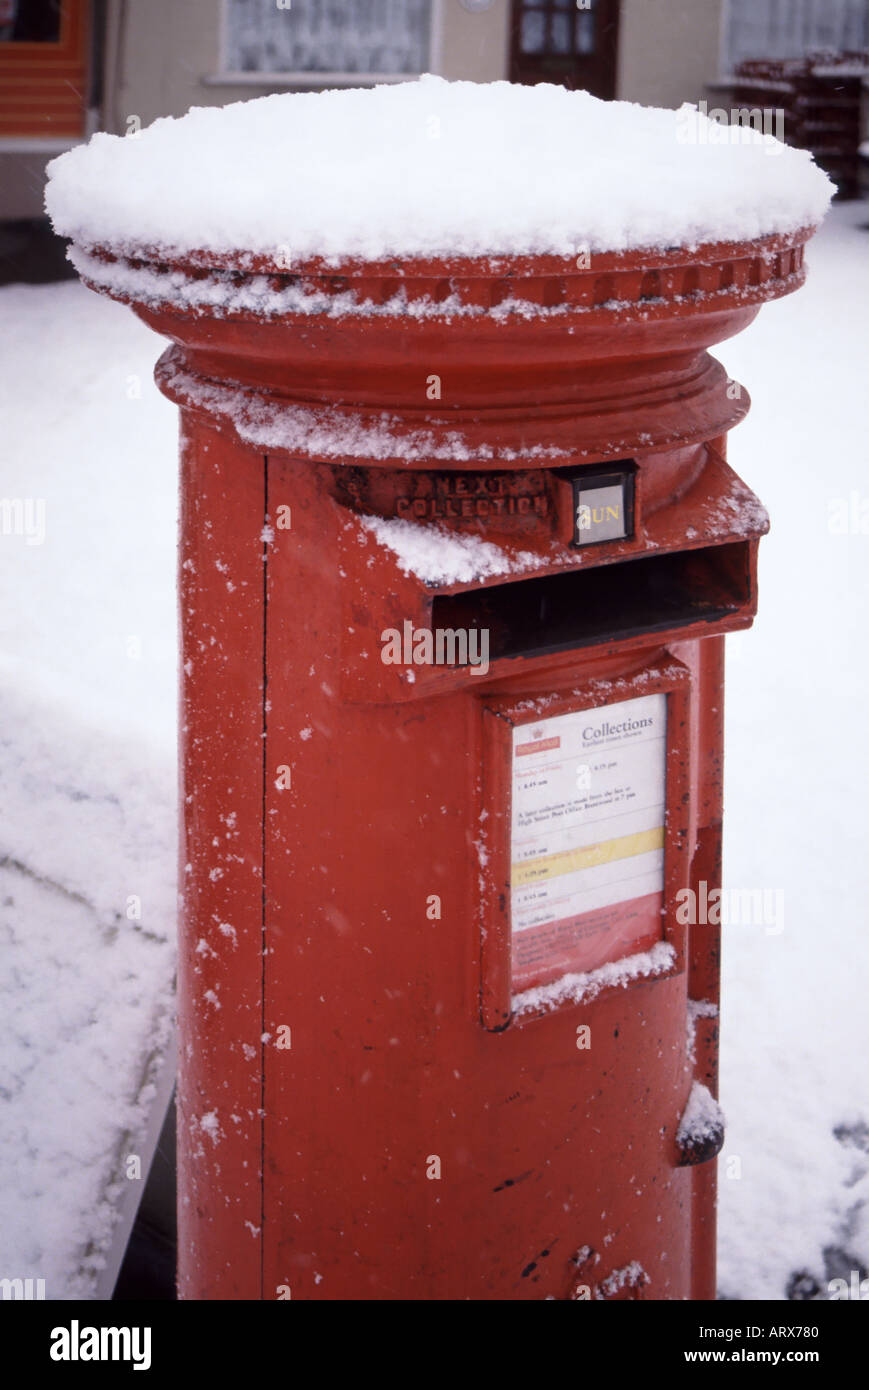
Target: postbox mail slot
(657,593)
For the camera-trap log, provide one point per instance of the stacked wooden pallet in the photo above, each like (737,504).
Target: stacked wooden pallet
(819,98)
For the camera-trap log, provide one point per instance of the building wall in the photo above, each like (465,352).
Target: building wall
(475,45)
(668,50)
(22,175)
(164,57)
(157,54)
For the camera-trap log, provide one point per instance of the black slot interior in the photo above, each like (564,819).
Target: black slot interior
(608,602)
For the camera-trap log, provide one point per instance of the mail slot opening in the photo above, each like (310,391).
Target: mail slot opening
(655,593)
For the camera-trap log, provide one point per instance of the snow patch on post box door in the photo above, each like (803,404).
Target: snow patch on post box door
(438,556)
(578,987)
(703,1119)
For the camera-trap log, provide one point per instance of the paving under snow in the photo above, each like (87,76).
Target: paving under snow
(88,710)
(795,1027)
(87,773)
(431,167)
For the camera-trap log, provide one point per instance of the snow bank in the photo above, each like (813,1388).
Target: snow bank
(87,909)
(795,1026)
(87,777)
(431,167)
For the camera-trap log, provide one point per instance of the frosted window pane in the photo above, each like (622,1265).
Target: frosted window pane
(774,29)
(533,31)
(386,36)
(585,32)
(560,34)
(29,21)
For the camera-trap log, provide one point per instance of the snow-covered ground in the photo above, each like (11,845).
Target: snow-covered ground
(87,722)
(87,772)
(795,1026)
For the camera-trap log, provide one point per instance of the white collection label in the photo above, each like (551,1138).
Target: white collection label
(587,837)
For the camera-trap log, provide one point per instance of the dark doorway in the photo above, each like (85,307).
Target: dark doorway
(561,41)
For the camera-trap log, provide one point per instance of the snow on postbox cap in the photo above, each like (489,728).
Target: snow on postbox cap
(423,169)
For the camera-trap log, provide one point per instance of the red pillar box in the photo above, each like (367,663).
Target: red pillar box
(460,546)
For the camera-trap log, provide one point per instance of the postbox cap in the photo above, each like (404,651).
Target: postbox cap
(429,169)
(307,251)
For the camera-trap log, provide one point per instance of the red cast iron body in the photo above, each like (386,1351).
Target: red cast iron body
(365,1113)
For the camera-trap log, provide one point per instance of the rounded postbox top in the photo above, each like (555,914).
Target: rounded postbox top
(429,169)
(322,248)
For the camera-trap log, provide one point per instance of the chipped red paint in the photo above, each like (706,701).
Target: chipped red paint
(339,1045)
